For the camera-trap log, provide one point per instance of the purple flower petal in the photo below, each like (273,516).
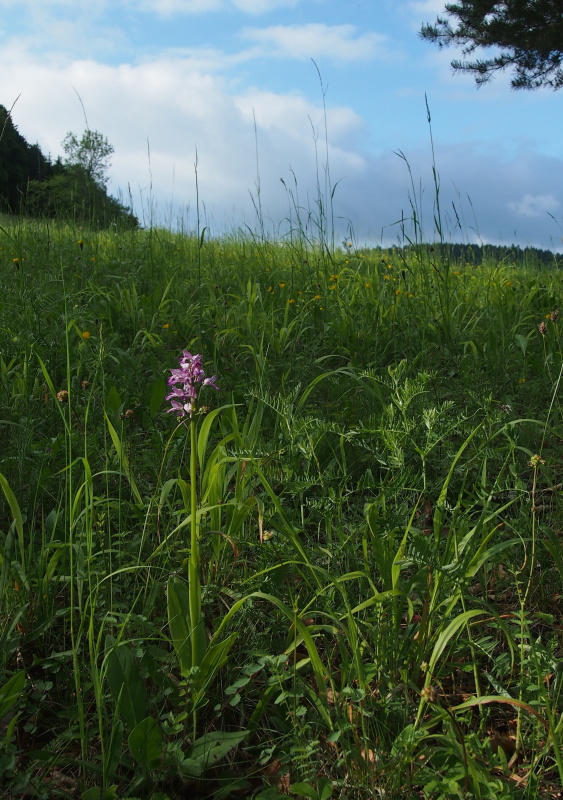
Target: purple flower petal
(211,382)
(184,382)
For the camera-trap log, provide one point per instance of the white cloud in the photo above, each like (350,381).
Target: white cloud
(535,205)
(43,5)
(297,126)
(173,105)
(337,42)
(169,7)
(263,6)
(173,7)
(170,107)
(156,6)
(165,8)
(427,7)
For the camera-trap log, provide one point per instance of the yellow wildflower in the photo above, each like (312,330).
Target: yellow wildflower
(85,334)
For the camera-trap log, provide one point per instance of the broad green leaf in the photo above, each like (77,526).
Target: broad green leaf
(215,657)
(113,399)
(16,513)
(126,685)
(443,639)
(179,621)
(156,392)
(146,744)
(165,491)
(483,555)
(303,790)
(10,692)
(522,342)
(204,431)
(93,793)
(208,750)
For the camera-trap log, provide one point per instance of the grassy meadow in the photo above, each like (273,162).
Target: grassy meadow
(342,578)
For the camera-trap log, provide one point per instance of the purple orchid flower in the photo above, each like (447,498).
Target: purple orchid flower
(186,382)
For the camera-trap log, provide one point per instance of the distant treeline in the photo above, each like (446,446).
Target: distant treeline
(476,255)
(33,185)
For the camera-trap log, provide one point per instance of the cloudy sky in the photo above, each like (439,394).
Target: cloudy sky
(296,111)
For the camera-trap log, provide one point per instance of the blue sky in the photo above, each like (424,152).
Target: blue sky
(234,82)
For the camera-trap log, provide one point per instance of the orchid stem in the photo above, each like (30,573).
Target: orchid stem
(193,566)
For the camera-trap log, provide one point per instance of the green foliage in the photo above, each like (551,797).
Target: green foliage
(527,33)
(126,685)
(377,582)
(90,154)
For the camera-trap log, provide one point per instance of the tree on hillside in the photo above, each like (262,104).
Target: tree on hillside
(92,153)
(527,34)
(31,184)
(20,162)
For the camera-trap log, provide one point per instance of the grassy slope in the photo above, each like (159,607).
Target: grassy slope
(372,490)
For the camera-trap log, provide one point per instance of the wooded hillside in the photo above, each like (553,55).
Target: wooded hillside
(33,185)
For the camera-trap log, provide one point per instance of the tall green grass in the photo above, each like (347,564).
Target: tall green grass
(378,520)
